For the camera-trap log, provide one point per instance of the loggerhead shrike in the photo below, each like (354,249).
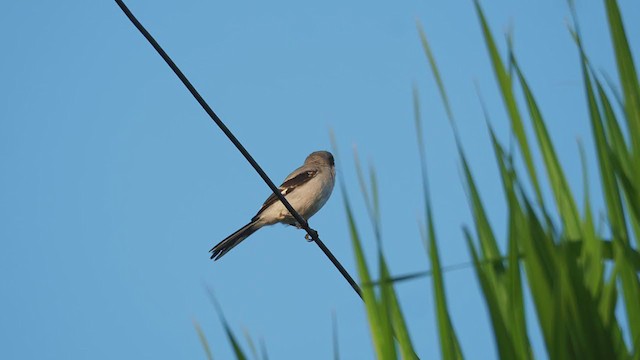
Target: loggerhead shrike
(307,189)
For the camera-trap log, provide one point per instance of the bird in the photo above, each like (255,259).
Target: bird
(307,189)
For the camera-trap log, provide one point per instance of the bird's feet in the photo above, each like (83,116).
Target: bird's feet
(309,238)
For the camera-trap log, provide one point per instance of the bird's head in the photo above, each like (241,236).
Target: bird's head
(321,157)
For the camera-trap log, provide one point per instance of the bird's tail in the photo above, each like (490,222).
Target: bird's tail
(234,239)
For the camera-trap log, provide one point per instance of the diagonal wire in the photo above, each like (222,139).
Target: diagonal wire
(234,140)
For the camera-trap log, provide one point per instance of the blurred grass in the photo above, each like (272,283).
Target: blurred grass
(573,271)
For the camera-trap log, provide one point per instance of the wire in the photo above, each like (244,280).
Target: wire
(301,221)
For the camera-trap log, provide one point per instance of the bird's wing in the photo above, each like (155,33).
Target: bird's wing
(293,181)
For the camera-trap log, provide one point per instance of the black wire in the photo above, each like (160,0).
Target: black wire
(234,140)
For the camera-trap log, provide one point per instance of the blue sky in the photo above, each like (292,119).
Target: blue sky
(114,184)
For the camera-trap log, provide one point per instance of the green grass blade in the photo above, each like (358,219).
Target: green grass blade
(237,349)
(565,203)
(517,228)
(370,204)
(252,345)
(263,350)
(628,78)
(504,82)
(504,297)
(615,212)
(449,344)
(607,307)
(383,345)
(591,252)
(614,132)
(421,148)
(515,301)
(540,267)
(203,340)
(630,285)
(390,313)
(234,343)
(609,298)
(376,200)
(577,341)
(621,161)
(488,242)
(379,323)
(500,156)
(334,337)
(397,318)
(384,309)
(504,342)
(435,72)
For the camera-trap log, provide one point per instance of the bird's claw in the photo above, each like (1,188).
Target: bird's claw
(309,237)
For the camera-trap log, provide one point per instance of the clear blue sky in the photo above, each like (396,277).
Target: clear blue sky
(114,184)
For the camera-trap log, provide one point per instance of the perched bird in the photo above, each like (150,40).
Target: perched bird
(307,189)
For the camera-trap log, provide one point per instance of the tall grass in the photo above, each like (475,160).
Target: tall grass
(564,267)
(574,272)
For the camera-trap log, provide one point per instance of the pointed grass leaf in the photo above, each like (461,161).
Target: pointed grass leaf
(628,78)
(504,81)
(488,242)
(615,212)
(516,317)
(539,263)
(397,318)
(449,344)
(436,73)
(237,349)
(504,342)
(263,350)
(384,346)
(564,198)
(252,346)
(203,340)
(334,336)
(591,253)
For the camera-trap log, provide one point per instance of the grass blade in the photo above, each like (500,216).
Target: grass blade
(397,318)
(488,242)
(435,72)
(252,346)
(334,337)
(383,344)
(237,349)
(628,78)
(504,82)
(504,343)
(615,212)
(449,345)
(564,198)
(263,350)
(203,340)
(540,266)
(591,253)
